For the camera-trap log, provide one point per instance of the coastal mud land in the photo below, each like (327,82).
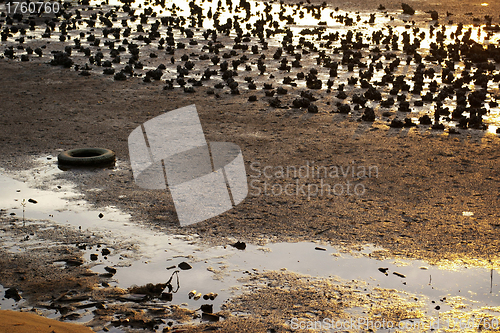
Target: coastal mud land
(414,205)
(434,194)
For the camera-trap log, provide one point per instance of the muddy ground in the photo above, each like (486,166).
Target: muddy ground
(426,178)
(414,206)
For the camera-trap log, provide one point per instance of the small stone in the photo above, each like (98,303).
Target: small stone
(396,123)
(111,270)
(33,201)
(13,293)
(344,108)
(368,115)
(399,274)
(101,215)
(105,252)
(93,256)
(209,317)
(184,266)
(239,245)
(312,108)
(425,120)
(407,9)
(74,261)
(210,296)
(208,308)
(383,270)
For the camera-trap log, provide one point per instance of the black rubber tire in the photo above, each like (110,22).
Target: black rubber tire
(87,157)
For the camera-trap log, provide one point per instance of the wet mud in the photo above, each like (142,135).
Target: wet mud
(396,112)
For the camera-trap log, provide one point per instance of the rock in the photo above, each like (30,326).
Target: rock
(320,248)
(120,76)
(404,106)
(101,215)
(32,201)
(74,261)
(399,274)
(396,123)
(312,108)
(209,316)
(184,266)
(314,83)
(207,308)
(239,245)
(105,252)
(434,15)
(438,126)
(192,293)
(368,115)
(301,103)
(111,270)
(93,256)
(281,91)
(62,59)
(383,270)
(425,120)
(407,9)
(13,293)
(409,123)
(344,108)
(269,93)
(155,74)
(210,296)
(106,275)
(252,98)
(274,102)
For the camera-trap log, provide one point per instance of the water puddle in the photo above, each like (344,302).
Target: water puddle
(9,303)
(158,257)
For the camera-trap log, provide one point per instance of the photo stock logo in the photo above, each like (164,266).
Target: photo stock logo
(205,179)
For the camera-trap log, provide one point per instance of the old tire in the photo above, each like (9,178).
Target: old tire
(87,157)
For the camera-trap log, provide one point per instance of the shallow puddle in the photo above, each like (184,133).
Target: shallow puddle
(216,269)
(9,303)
